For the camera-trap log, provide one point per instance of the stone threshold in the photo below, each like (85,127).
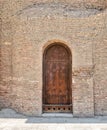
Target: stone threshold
(57,115)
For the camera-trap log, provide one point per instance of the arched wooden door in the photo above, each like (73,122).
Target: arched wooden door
(57,95)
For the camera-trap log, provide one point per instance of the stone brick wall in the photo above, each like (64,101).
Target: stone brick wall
(100,72)
(28,27)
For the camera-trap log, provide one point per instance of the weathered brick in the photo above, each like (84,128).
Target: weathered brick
(28,27)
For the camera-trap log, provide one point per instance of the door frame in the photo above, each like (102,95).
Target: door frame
(70,72)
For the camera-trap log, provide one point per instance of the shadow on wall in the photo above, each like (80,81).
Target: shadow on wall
(9,113)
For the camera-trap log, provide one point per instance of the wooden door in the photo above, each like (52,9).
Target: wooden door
(57,83)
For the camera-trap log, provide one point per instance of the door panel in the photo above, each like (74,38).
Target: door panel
(57,91)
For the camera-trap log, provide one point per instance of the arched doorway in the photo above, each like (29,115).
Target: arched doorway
(57,72)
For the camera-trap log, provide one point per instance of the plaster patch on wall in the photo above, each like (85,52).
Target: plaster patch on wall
(56,10)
